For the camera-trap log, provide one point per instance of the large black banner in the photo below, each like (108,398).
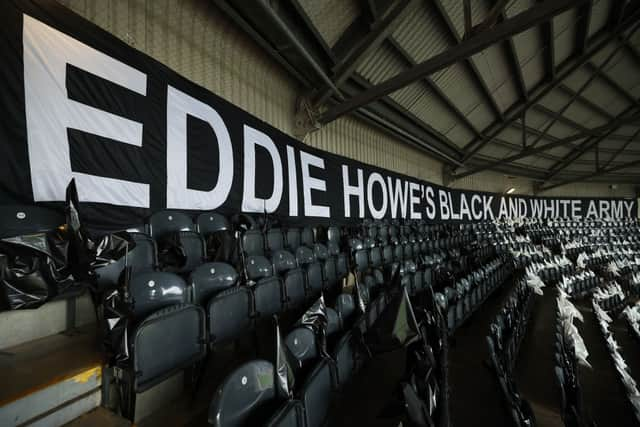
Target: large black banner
(76,102)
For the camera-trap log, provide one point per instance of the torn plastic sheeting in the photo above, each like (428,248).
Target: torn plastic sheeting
(284,372)
(35,269)
(536,284)
(315,318)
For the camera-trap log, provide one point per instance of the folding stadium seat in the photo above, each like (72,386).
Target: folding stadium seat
(307,237)
(268,296)
(333,321)
(229,307)
(334,235)
(217,233)
(291,414)
(275,240)
(313,270)
(316,394)
(180,247)
(285,265)
(344,356)
(141,258)
(345,307)
(303,348)
(247,396)
(169,335)
(398,253)
(253,242)
(361,258)
(342,265)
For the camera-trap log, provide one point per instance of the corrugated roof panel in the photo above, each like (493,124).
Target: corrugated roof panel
(560,130)
(518,6)
(565,32)
(599,15)
(455,10)
(495,70)
(579,113)
(602,92)
(331,17)
(458,86)
(496,151)
(408,95)
(555,100)
(536,119)
(625,71)
(530,52)
(481,116)
(422,33)
(380,65)
(432,111)
(460,135)
(627,130)
(559,152)
(576,79)
(603,54)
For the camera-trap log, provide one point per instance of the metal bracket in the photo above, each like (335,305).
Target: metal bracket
(306,118)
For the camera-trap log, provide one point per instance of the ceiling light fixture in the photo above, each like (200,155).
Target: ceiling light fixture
(511,190)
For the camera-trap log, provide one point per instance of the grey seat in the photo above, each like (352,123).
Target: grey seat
(169,335)
(342,265)
(167,341)
(345,307)
(141,258)
(268,295)
(316,395)
(302,346)
(307,238)
(293,239)
(333,321)
(361,258)
(291,414)
(212,222)
(285,265)
(247,396)
(164,224)
(313,270)
(229,314)
(344,355)
(253,242)
(275,240)
(209,279)
(333,234)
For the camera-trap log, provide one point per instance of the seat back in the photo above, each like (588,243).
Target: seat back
(345,306)
(275,239)
(253,242)
(375,257)
(294,288)
(333,234)
(289,415)
(304,255)
(163,222)
(18,220)
(316,395)
(209,279)
(141,258)
(212,222)
(307,237)
(302,345)
(166,342)
(229,314)
(361,258)
(152,291)
(315,278)
(268,296)
(333,321)
(246,397)
(258,267)
(283,261)
(344,355)
(293,239)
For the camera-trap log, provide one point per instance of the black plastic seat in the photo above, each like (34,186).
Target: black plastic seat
(253,242)
(316,395)
(285,265)
(141,258)
(229,314)
(333,235)
(302,346)
(333,321)
(307,238)
(344,355)
(293,238)
(169,335)
(275,240)
(361,258)
(291,414)
(209,279)
(176,236)
(345,307)
(247,396)
(267,289)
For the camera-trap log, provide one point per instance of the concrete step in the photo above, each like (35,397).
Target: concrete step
(99,417)
(51,381)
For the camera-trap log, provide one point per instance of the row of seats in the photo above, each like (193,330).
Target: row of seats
(610,297)
(471,291)
(569,351)
(506,334)
(623,369)
(580,284)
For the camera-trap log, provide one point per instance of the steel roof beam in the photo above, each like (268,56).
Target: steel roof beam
(566,69)
(567,121)
(622,91)
(512,56)
(620,150)
(534,150)
(433,87)
(583,100)
(465,49)
(593,174)
(468,61)
(582,32)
